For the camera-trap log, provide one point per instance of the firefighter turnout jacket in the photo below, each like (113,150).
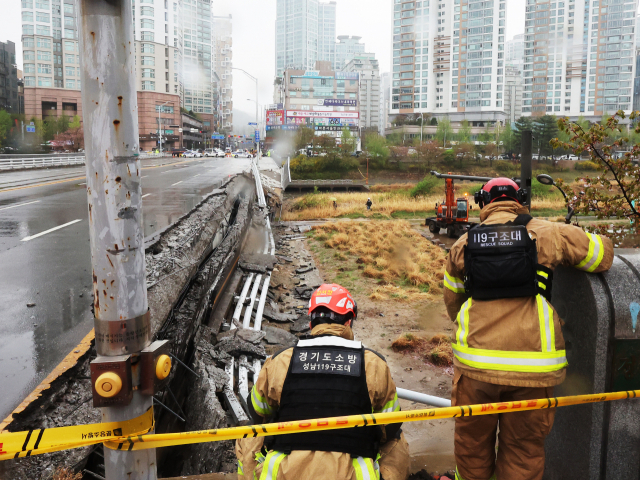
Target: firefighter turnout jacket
(328,375)
(517,340)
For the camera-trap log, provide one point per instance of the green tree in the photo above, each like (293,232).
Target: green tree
(5,125)
(614,191)
(377,150)
(545,128)
(347,141)
(75,123)
(444,132)
(486,136)
(522,125)
(507,138)
(304,136)
(464,132)
(434,121)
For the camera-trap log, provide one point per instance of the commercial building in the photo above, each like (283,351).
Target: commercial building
(9,98)
(514,51)
(369,92)
(327,32)
(323,99)
(579,57)
(346,49)
(512,94)
(223,64)
(448,59)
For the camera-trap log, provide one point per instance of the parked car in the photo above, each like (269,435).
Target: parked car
(178,152)
(209,152)
(569,156)
(192,154)
(241,154)
(219,152)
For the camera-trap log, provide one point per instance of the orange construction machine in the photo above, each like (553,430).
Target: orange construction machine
(452,214)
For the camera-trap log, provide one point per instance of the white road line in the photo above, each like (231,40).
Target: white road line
(146,195)
(26,239)
(176,183)
(19,205)
(196,176)
(144,176)
(82,183)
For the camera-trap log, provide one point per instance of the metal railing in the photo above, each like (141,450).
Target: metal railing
(40,161)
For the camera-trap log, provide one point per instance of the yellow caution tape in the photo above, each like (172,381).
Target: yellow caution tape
(333,423)
(35,442)
(129,435)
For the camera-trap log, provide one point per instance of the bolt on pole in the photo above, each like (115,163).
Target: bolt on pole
(110,111)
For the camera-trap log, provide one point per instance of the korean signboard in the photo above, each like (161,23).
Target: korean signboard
(347,75)
(337,102)
(309,113)
(275,117)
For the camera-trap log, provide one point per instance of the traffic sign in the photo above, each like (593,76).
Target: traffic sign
(253,123)
(31,129)
(257,136)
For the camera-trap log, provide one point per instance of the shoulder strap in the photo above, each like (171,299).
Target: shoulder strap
(378,354)
(279,352)
(523,219)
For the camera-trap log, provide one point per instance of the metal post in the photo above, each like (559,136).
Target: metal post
(114,194)
(525,164)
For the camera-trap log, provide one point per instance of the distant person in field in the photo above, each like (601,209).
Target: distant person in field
(335,205)
(369,203)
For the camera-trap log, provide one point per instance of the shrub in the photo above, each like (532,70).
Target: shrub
(425,186)
(504,166)
(587,166)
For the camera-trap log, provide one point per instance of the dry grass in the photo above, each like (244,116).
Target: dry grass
(405,264)
(437,349)
(63,473)
(392,187)
(385,204)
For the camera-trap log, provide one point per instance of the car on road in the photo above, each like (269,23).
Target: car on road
(178,152)
(571,157)
(192,154)
(241,154)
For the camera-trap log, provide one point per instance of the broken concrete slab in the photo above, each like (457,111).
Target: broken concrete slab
(304,269)
(250,335)
(301,325)
(277,336)
(278,317)
(252,267)
(235,346)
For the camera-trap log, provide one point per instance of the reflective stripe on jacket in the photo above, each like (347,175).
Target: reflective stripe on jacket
(518,341)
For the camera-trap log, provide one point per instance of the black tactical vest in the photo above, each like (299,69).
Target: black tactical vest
(501,261)
(326,378)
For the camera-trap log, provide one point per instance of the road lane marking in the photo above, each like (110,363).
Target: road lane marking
(82,183)
(146,195)
(26,239)
(196,176)
(19,205)
(144,176)
(176,183)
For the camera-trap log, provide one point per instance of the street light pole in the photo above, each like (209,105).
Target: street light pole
(114,194)
(160,126)
(421,126)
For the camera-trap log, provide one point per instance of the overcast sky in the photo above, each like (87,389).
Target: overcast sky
(254,37)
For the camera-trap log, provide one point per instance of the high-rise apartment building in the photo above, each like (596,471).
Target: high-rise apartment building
(512,94)
(197,55)
(579,57)
(514,51)
(369,89)
(296,34)
(346,49)
(327,32)
(9,99)
(223,63)
(448,58)
(51,60)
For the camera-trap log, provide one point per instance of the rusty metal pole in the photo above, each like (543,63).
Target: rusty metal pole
(110,111)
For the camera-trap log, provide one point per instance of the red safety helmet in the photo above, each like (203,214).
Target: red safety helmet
(334,297)
(500,188)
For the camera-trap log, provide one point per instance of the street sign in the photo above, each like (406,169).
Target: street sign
(216,136)
(257,136)
(252,123)
(31,129)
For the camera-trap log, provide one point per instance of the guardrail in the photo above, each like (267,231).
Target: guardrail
(36,162)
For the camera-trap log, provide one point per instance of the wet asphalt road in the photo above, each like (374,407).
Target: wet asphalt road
(52,269)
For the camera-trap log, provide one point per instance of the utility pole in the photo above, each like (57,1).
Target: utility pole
(114,193)
(525,164)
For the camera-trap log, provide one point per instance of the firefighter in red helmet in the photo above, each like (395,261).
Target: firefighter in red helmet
(328,375)
(509,345)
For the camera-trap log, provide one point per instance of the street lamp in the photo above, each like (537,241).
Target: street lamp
(545,179)
(160,125)
(421,126)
